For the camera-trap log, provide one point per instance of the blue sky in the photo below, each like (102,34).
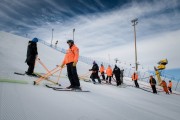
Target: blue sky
(103,27)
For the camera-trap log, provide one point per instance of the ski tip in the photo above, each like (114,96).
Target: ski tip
(58,84)
(34,83)
(19,73)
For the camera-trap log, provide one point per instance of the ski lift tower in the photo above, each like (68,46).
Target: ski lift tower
(134,23)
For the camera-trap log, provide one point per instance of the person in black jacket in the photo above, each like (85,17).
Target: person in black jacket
(94,75)
(31,55)
(121,76)
(117,72)
(152,82)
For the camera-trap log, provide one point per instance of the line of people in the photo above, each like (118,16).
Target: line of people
(152,82)
(167,89)
(116,72)
(71,59)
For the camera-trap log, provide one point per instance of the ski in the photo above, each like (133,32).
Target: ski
(71,90)
(19,73)
(122,86)
(58,86)
(145,90)
(34,75)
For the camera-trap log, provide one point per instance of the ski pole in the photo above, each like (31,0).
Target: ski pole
(114,79)
(85,75)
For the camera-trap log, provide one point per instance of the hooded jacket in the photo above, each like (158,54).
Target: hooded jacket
(94,69)
(116,71)
(31,52)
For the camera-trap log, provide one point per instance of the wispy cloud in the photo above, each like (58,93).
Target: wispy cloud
(99,33)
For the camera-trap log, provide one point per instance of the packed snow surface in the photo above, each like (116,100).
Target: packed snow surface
(104,102)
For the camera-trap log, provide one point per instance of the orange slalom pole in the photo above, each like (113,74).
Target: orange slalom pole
(43,65)
(59,75)
(35,61)
(46,75)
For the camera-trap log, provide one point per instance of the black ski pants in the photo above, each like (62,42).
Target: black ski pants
(118,81)
(95,76)
(31,67)
(103,76)
(108,77)
(170,89)
(72,75)
(154,88)
(136,83)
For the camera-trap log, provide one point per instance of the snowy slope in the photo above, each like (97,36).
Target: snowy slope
(104,102)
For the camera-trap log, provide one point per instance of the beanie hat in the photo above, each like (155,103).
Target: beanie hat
(70,41)
(34,40)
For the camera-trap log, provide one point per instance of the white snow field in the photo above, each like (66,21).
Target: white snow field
(24,101)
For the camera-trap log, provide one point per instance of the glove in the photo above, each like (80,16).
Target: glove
(62,66)
(74,64)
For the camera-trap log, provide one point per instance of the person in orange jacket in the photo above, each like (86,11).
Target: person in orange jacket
(102,71)
(70,60)
(164,85)
(135,79)
(170,86)
(109,73)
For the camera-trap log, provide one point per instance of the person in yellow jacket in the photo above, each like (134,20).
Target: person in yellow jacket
(170,86)
(70,60)
(135,79)
(102,71)
(109,73)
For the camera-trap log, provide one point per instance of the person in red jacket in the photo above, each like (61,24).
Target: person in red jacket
(135,79)
(70,60)
(164,85)
(109,73)
(170,86)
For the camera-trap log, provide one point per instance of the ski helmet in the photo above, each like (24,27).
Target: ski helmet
(70,41)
